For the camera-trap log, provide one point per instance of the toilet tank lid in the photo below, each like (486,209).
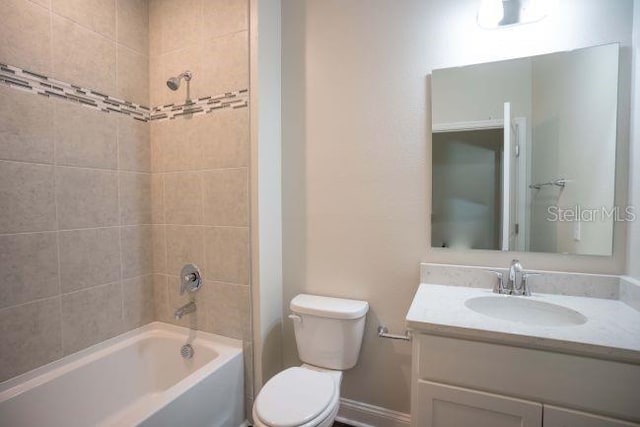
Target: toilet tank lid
(333,308)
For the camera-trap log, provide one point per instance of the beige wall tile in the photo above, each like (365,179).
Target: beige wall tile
(133,24)
(26,123)
(25,36)
(226,197)
(188,57)
(225,138)
(134,148)
(222,17)
(86,198)
(133,76)
(83,57)
(157,81)
(135,198)
(183,198)
(227,254)
(157,198)
(156,144)
(161,298)
(184,246)
(89,258)
(176,146)
(91,316)
(29,266)
(43,3)
(226,61)
(96,15)
(155,26)
(137,257)
(159,248)
(27,201)
(32,333)
(138,303)
(227,309)
(84,136)
(181,23)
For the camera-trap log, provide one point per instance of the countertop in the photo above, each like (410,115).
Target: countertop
(611,332)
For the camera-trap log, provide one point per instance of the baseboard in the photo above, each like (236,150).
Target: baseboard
(360,414)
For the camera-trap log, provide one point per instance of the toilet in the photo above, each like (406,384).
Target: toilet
(328,335)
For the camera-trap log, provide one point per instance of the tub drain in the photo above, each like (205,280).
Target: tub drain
(186,351)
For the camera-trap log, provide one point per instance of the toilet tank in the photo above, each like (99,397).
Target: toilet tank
(328,330)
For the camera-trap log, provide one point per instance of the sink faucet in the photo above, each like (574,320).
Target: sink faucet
(516,282)
(189,307)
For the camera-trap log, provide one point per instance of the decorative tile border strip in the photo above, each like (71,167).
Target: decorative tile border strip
(46,86)
(205,105)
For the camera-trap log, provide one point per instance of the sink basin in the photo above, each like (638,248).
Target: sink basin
(525,310)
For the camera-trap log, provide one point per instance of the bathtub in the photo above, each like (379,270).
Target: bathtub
(135,379)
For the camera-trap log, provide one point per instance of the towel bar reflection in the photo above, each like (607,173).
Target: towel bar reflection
(561,182)
(383,332)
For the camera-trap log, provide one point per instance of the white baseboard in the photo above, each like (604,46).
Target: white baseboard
(360,414)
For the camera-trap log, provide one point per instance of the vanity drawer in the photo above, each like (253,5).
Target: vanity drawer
(595,385)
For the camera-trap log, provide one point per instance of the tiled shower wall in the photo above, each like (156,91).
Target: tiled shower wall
(75,183)
(98,211)
(200,165)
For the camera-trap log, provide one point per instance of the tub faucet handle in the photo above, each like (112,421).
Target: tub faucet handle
(191,280)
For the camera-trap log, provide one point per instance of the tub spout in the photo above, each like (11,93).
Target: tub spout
(185,309)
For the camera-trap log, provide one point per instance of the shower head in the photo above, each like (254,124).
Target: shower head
(174,82)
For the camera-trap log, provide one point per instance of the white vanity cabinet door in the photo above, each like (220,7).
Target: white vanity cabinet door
(561,417)
(440,405)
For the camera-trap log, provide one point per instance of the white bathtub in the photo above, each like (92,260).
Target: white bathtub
(136,379)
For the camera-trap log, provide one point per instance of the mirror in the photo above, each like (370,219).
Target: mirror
(524,153)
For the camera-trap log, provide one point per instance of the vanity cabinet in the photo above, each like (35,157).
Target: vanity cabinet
(458,382)
(442,405)
(561,417)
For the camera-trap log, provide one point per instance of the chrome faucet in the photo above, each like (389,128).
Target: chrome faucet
(190,279)
(516,283)
(189,307)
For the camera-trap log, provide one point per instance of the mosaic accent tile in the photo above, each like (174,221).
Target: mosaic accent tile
(207,104)
(45,86)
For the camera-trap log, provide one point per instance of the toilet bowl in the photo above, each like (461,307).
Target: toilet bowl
(328,336)
(304,396)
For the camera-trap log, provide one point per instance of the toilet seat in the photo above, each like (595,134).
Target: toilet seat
(296,397)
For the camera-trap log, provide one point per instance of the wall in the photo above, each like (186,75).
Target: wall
(479,92)
(633,265)
(466,174)
(200,182)
(74,182)
(356,144)
(266,187)
(574,128)
(354,172)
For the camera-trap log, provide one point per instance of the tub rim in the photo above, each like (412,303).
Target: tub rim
(226,349)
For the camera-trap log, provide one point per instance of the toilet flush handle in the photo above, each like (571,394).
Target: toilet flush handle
(295,318)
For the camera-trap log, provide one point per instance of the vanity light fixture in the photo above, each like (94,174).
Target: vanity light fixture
(502,13)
